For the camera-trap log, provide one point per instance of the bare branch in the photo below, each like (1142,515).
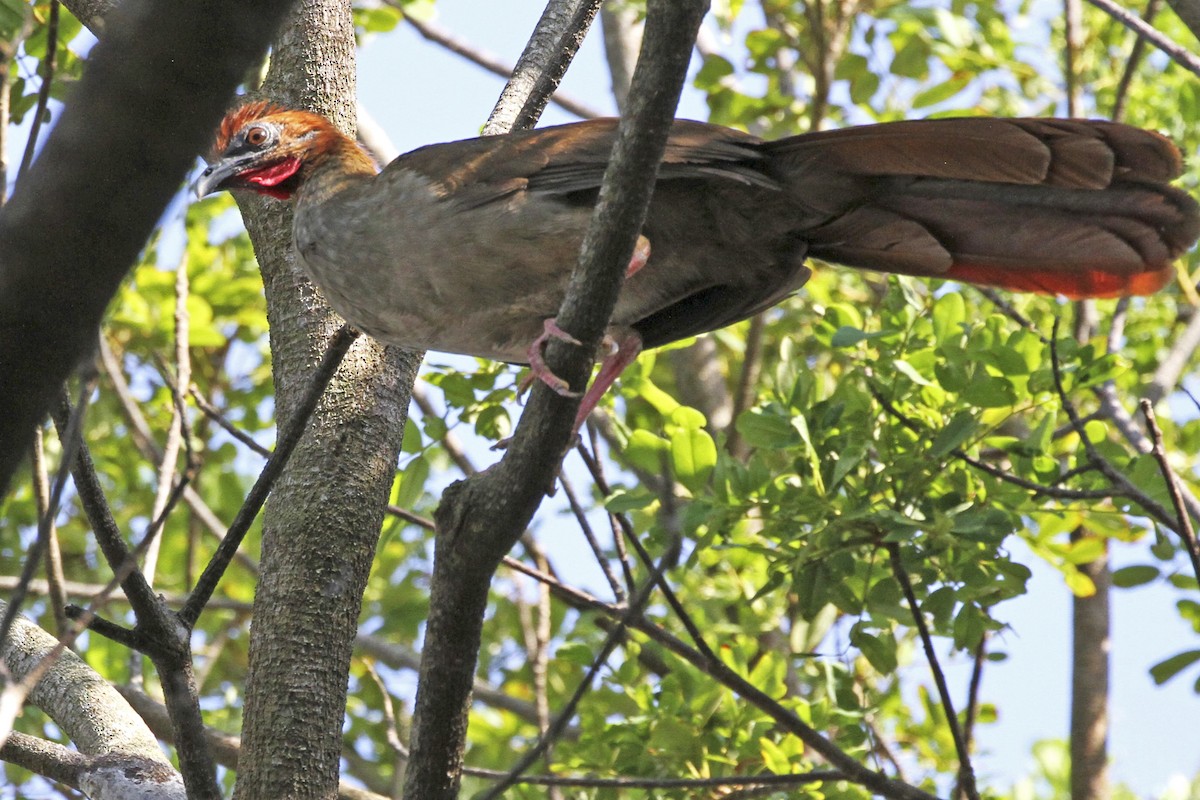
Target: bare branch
(435,33)
(551,47)
(1183,524)
(207,583)
(225,748)
(1178,53)
(589,536)
(637,603)
(966,773)
(143,439)
(80,702)
(1136,52)
(43,100)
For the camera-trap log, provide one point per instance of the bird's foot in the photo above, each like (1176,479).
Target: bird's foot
(538,368)
(641,255)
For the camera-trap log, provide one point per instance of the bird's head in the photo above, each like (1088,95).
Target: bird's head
(271,150)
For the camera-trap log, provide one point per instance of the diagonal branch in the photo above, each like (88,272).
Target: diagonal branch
(221,559)
(435,33)
(149,106)
(966,773)
(1178,53)
(480,519)
(551,48)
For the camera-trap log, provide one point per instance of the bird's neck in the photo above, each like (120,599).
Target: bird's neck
(337,166)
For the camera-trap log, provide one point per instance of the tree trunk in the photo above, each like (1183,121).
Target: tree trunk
(323,520)
(1089,686)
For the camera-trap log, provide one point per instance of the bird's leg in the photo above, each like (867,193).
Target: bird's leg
(550,330)
(624,348)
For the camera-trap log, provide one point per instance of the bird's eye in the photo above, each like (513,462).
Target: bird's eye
(256,136)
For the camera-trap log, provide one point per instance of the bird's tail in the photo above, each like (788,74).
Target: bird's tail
(1072,207)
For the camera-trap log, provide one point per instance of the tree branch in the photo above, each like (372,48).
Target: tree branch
(480,519)
(551,47)
(1177,52)
(435,33)
(148,100)
(89,711)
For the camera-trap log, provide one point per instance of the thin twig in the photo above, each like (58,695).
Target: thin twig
(1037,488)
(409,516)
(1183,524)
(144,441)
(618,522)
(554,732)
(177,430)
(966,773)
(727,781)
(1177,52)
(450,442)
(1072,22)
(214,413)
(207,583)
(1114,411)
(785,718)
(54,569)
(590,536)
(435,33)
(743,396)
(43,100)
(391,724)
(72,441)
(1136,52)
(1122,486)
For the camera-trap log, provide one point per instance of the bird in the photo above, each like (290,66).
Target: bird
(466,247)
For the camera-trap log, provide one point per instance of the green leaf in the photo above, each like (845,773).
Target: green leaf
(845,461)
(412,482)
(1190,611)
(1138,575)
(693,456)
(761,429)
(879,651)
(623,501)
(493,422)
(969,626)
(960,428)
(989,391)
(941,92)
(949,314)
(412,442)
(1168,668)
(846,336)
(908,370)
(646,451)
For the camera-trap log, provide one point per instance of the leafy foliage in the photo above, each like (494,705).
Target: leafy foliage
(900,439)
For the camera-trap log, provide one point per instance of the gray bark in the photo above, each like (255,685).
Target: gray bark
(323,520)
(117,754)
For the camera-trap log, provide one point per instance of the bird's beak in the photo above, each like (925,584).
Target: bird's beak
(215,176)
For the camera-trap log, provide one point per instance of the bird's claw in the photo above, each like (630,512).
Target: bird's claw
(538,368)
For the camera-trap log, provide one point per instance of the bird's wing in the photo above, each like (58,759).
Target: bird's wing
(571,159)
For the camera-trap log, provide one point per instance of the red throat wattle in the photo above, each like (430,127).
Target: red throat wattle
(269,179)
